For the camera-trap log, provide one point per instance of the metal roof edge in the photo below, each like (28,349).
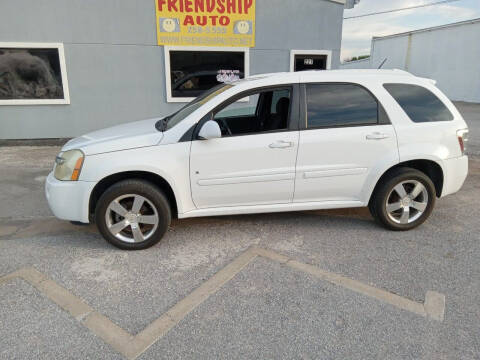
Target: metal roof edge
(439,27)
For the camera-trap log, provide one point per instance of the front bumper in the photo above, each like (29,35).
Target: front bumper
(69,200)
(455,173)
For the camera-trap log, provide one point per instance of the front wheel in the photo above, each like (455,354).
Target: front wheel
(133,215)
(404,199)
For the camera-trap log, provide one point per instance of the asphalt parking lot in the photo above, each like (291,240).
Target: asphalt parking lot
(309,285)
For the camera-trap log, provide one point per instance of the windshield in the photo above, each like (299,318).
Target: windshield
(177,117)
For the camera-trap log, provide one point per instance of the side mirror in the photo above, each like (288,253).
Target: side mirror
(210,130)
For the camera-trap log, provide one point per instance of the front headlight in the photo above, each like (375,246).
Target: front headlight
(68,165)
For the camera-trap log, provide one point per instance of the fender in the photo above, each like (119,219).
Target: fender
(373,181)
(171,162)
(435,152)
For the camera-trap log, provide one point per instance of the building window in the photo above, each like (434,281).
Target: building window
(190,71)
(335,105)
(302,60)
(33,74)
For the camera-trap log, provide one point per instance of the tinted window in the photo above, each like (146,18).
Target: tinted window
(276,97)
(332,105)
(193,72)
(420,104)
(30,74)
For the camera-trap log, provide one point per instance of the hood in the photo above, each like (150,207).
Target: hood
(121,137)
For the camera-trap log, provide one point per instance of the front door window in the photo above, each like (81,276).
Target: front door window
(267,110)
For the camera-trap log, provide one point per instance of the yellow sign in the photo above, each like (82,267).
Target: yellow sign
(206,22)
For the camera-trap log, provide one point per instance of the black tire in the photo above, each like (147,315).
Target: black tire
(385,192)
(371,208)
(156,204)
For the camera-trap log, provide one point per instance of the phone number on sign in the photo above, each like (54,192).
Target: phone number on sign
(207,30)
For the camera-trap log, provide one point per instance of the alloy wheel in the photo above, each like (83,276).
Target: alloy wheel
(132,218)
(407,201)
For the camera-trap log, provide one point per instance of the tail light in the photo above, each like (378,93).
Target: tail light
(462,136)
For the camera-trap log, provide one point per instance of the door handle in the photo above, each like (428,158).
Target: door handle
(377,136)
(281,145)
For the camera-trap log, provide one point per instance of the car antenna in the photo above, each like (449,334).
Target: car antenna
(383,63)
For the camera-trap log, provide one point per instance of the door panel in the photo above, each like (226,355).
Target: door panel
(244,170)
(334,164)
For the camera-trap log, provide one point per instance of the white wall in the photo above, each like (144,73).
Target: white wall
(450,55)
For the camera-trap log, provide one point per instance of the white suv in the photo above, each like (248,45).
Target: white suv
(279,142)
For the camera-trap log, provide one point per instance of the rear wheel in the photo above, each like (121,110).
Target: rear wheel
(404,199)
(133,215)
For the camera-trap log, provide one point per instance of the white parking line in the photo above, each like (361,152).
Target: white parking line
(132,346)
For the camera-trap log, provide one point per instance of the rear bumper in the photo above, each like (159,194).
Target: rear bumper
(455,173)
(68,200)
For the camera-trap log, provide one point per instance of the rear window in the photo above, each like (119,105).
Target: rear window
(419,103)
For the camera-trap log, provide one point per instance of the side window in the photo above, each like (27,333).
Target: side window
(267,110)
(277,95)
(332,105)
(419,103)
(240,109)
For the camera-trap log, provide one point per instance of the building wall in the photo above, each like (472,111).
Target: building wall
(449,55)
(116,71)
(395,51)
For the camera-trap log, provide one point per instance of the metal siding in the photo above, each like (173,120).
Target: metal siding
(395,52)
(448,54)
(116,71)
